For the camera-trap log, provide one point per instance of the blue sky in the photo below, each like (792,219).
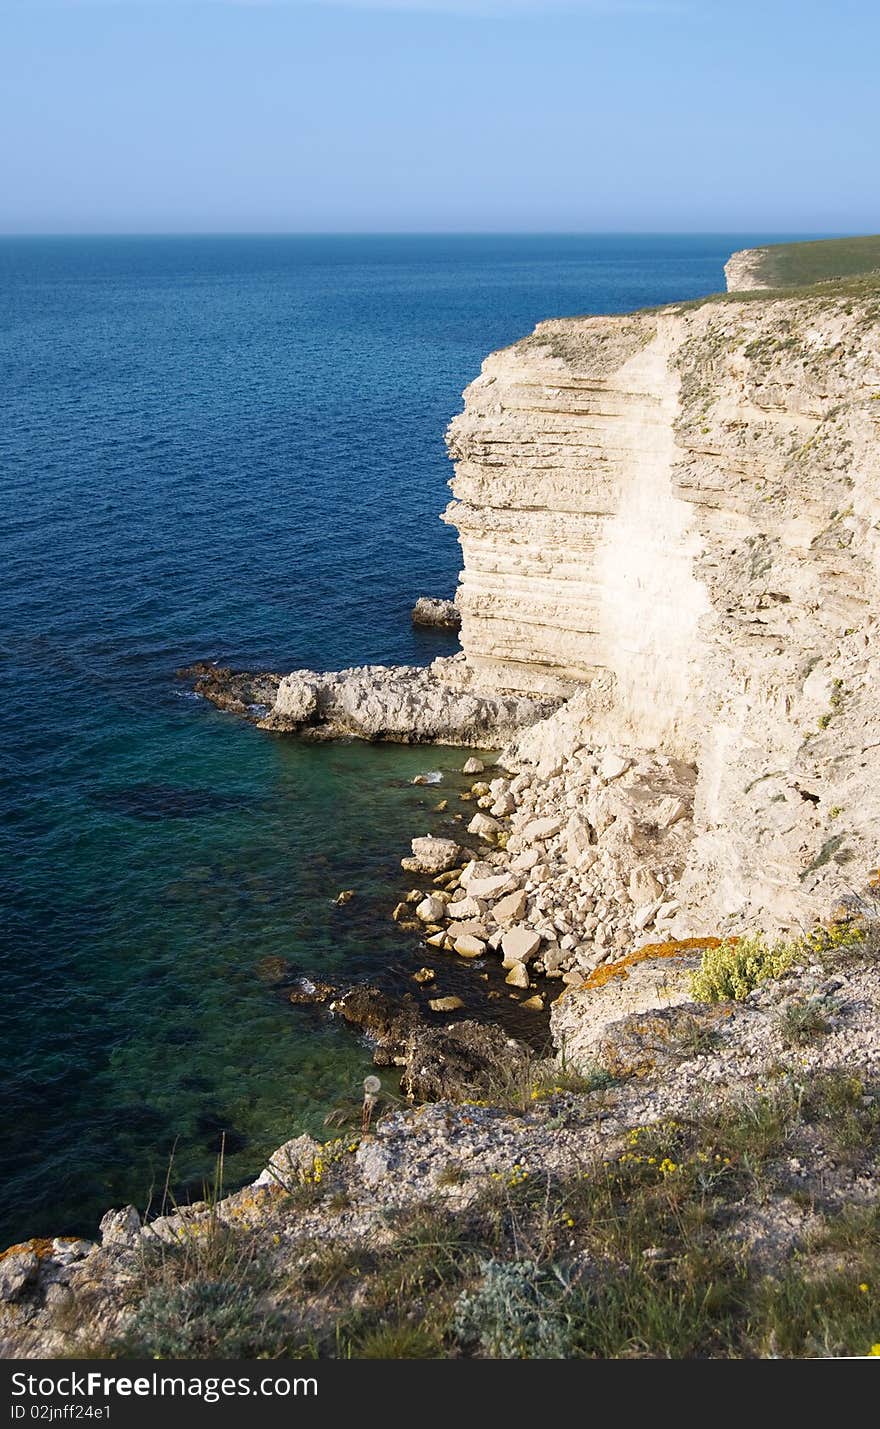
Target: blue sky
(439,115)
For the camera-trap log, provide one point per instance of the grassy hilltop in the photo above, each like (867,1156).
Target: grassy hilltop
(798,265)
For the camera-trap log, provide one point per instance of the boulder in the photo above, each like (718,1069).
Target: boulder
(290,1164)
(470,927)
(476,868)
(584,1020)
(467,946)
(644,915)
(669,811)
(464,908)
(432,855)
(644,886)
(445,1004)
(520,944)
(510,908)
(297,699)
(18,1268)
(492,887)
(431,909)
(518,975)
(473,766)
(612,765)
(120,1227)
(525,860)
(539,829)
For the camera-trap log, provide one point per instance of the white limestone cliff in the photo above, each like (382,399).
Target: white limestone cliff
(674,516)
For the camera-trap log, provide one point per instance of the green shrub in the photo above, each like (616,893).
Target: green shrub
(203,1319)
(514,1314)
(805,1019)
(734,969)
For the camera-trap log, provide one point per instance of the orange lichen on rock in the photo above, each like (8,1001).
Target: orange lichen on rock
(40,1246)
(651,952)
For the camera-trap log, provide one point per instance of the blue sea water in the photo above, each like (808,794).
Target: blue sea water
(230,448)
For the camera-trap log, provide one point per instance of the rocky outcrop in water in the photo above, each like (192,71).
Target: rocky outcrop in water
(442,614)
(406,704)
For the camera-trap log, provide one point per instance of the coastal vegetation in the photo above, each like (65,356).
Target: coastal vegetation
(639,1255)
(797,265)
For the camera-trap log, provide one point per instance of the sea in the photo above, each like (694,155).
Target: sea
(226,448)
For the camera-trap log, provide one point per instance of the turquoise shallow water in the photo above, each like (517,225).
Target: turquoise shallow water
(228,448)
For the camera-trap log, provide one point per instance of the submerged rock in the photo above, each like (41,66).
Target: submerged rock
(152,803)
(306,993)
(238,691)
(436,1062)
(463,1059)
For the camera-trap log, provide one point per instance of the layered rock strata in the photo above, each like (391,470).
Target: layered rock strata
(674,517)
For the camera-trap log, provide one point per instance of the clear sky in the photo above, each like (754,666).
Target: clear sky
(439,115)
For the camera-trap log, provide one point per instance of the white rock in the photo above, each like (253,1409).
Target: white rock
(493,887)
(431,909)
(540,829)
(473,766)
(520,944)
(510,908)
(644,915)
(525,860)
(476,868)
(484,825)
(612,765)
(468,946)
(644,886)
(669,811)
(464,908)
(432,855)
(470,928)
(518,975)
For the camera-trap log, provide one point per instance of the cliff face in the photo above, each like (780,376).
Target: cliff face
(676,517)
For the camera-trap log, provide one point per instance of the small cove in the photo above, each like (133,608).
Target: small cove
(232,449)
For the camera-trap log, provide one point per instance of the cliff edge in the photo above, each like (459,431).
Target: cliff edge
(673,517)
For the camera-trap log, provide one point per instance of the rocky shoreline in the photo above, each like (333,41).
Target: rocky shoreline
(577,863)
(668,605)
(744,1121)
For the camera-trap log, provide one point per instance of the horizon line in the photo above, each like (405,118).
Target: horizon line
(429,233)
